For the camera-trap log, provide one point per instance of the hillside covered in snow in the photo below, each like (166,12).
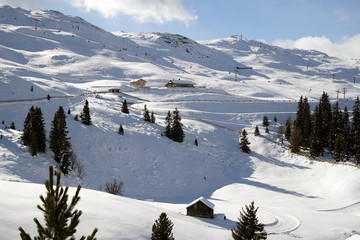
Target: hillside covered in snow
(46,53)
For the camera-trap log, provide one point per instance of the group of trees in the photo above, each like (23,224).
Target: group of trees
(173,127)
(327,128)
(34,135)
(248,226)
(147,117)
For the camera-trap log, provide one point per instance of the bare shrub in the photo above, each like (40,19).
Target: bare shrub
(115,187)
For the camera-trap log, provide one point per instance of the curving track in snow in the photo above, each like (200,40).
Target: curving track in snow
(278,222)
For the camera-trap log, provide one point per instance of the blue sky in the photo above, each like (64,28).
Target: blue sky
(331,25)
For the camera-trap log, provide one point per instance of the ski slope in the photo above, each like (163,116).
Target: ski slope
(73,60)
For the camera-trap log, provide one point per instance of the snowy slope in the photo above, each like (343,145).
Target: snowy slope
(73,60)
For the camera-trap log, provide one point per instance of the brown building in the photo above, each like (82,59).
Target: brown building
(200,207)
(138,83)
(171,83)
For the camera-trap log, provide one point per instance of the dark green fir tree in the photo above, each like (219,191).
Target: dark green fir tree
(316,146)
(244,142)
(256,131)
(266,123)
(355,129)
(248,226)
(85,114)
(177,133)
(152,117)
(121,130)
(162,228)
(168,123)
(124,107)
(12,125)
(59,141)
(288,128)
(60,217)
(146,116)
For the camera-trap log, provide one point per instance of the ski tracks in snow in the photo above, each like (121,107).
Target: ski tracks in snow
(280,223)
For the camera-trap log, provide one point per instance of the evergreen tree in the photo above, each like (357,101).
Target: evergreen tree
(306,123)
(256,132)
(346,133)
(248,226)
(59,142)
(275,118)
(325,112)
(168,123)
(355,129)
(335,126)
(288,128)
(48,97)
(60,217)
(162,228)
(338,151)
(146,116)
(27,135)
(34,131)
(39,129)
(196,142)
(266,123)
(299,113)
(121,130)
(316,146)
(244,142)
(12,125)
(295,140)
(177,133)
(357,157)
(85,115)
(68,112)
(124,107)
(152,117)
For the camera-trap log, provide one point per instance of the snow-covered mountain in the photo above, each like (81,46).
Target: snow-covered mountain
(72,60)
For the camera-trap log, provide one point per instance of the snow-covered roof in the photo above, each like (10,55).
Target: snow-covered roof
(204,200)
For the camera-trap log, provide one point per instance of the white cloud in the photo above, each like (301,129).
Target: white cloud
(158,11)
(349,47)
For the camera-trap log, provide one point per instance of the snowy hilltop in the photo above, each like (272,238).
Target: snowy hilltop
(219,87)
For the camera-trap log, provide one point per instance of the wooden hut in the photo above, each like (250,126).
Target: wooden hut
(200,207)
(172,84)
(138,83)
(114,90)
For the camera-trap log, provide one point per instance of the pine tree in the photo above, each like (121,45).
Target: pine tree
(146,116)
(306,124)
(27,135)
(256,131)
(295,140)
(124,107)
(316,146)
(196,142)
(335,126)
(357,157)
(85,115)
(338,151)
(60,217)
(152,117)
(168,123)
(244,142)
(34,131)
(355,129)
(177,133)
(248,226)
(59,142)
(266,123)
(346,133)
(39,129)
(275,118)
(121,130)
(288,128)
(12,125)
(162,228)
(325,112)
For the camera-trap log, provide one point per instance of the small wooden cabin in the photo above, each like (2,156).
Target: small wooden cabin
(114,90)
(178,84)
(138,83)
(200,207)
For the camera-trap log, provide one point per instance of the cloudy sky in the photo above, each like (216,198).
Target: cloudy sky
(332,26)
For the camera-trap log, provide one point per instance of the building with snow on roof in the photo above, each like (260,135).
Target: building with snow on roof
(200,207)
